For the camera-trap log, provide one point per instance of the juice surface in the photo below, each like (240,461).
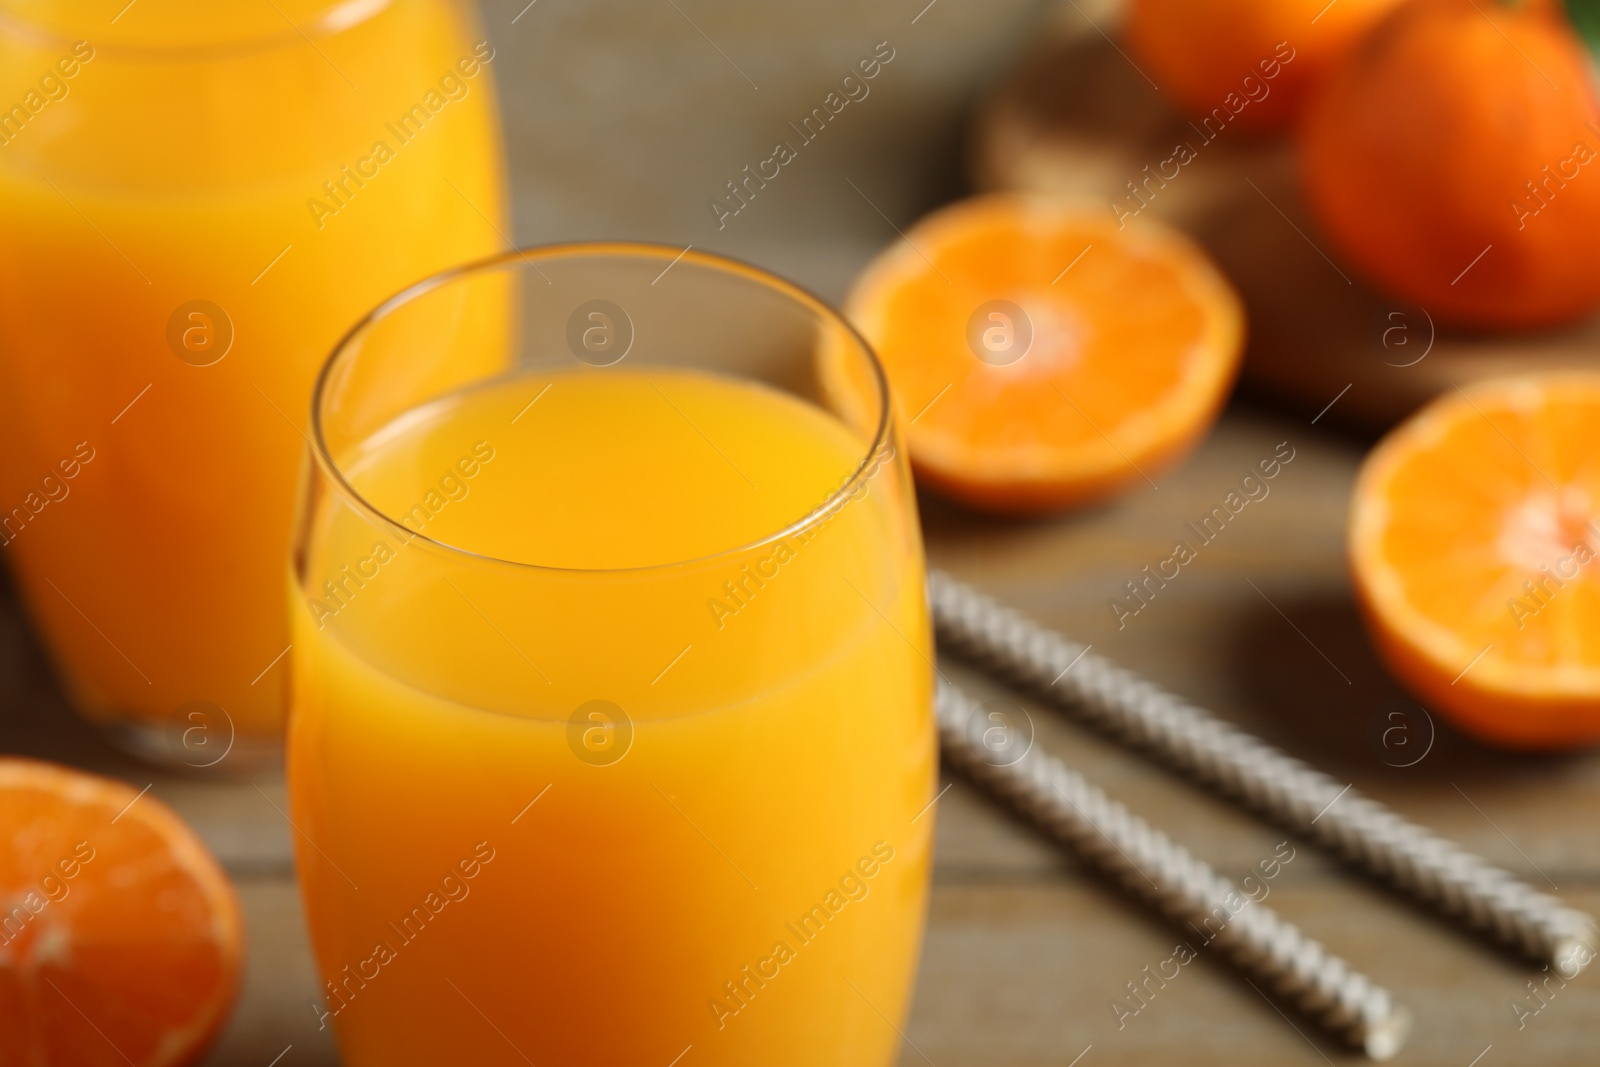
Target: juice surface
(189,220)
(731,859)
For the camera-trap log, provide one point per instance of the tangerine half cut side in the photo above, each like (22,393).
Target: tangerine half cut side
(120,936)
(1475,552)
(1041,356)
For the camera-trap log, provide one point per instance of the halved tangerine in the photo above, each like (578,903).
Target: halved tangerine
(120,938)
(1040,355)
(1475,550)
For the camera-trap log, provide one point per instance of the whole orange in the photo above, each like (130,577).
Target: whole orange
(1454,160)
(1244,63)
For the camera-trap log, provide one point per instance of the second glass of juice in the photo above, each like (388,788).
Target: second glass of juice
(612,737)
(196,198)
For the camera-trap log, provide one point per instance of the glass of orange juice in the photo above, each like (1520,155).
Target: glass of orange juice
(195,199)
(611,738)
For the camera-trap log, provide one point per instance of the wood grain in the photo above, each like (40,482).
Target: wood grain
(1025,949)
(1079,118)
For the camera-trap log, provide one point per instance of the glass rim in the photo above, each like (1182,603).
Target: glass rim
(865,469)
(335,17)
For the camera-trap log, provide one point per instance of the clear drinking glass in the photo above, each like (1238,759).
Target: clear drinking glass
(612,730)
(196,199)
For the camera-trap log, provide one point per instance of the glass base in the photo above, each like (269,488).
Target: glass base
(198,746)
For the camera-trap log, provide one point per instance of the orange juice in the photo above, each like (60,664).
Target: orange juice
(196,199)
(595,805)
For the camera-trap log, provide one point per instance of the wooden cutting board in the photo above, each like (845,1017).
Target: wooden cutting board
(1077,117)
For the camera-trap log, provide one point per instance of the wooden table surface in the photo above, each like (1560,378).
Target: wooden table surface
(1025,949)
